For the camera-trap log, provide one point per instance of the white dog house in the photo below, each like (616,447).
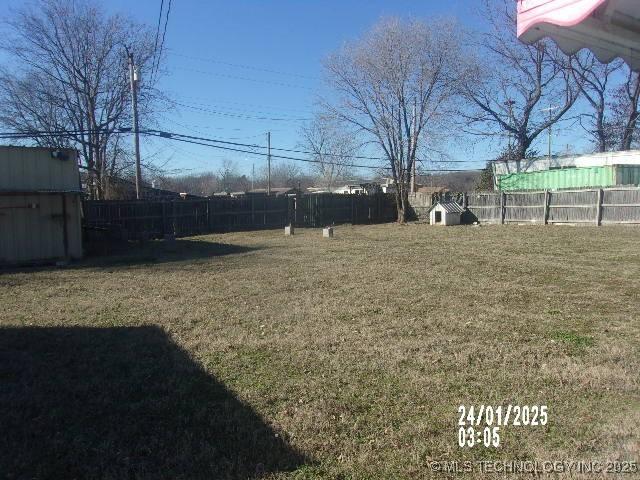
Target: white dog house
(446,213)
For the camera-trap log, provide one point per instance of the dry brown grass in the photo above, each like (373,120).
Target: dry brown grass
(355,351)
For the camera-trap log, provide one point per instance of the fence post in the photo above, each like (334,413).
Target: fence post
(465,200)
(174,218)
(503,207)
(545,220)
(164,217)
(253,215)
(353,218)
(599,209)
(208,228)
(265,206)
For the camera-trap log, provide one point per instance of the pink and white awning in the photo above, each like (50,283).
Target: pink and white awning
(609,28)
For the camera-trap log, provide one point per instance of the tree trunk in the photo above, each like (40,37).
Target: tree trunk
(402,203)
(520,150)
(600,133)
(399,210)
(627,137)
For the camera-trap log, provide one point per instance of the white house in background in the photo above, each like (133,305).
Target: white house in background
(389,186)
(350,189)
(446,213)
(317,190)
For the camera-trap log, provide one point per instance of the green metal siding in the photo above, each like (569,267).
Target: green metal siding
(627,174)
(559,179)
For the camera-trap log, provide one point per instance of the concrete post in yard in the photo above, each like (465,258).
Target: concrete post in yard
(327,232)
(289,230)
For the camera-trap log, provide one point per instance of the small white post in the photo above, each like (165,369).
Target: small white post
(289,230)
(327,232)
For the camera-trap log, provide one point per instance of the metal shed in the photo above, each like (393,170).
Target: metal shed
(40,205)
(607,169)
(446,213)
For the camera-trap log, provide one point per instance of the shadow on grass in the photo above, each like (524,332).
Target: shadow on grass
(160,251)
(151,252)
(123,403)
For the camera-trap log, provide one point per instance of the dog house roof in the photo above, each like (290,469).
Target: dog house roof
(449,207)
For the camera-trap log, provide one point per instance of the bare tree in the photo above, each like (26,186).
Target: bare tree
(511,83)
(595,82)
(285,174)
(67,82)
(393,86)
(204,184)
(230,179)
(331,147)
(626,111)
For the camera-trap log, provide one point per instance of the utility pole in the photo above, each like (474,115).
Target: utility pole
(549,142)
(253,175)
(509,103)
(268,163)
(550,109)
(133,79)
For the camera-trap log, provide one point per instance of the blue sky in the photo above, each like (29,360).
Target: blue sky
(218,54)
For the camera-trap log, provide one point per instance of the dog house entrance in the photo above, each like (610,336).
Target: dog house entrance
(438,217)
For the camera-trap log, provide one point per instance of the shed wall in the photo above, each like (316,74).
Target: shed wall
(627,175)
(28,169)
(32,228)
(558,179)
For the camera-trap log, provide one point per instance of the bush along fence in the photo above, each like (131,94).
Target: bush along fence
(590,206)
(143,219)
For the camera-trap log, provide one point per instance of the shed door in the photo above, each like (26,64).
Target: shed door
(438,216)
(30,228)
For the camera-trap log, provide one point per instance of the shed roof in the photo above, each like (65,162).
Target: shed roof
(450,207)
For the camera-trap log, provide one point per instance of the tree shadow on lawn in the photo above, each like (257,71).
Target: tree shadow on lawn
(123,403)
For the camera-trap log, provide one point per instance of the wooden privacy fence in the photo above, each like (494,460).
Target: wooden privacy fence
(595,206)
(320,210)
(155,219)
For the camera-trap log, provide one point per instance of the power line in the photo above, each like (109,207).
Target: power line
(155,43)
(359,157)
(57,133)
(210,142)
(236,77)
(247,67)
(246,111)
(355,157)
(201,129)
(164,32)
(187,139)
(190,139)
(210,101)
(238,115)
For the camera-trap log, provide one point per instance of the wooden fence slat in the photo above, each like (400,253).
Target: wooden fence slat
(599,206)
(156,218)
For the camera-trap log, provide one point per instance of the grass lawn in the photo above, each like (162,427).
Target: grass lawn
(255,354)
